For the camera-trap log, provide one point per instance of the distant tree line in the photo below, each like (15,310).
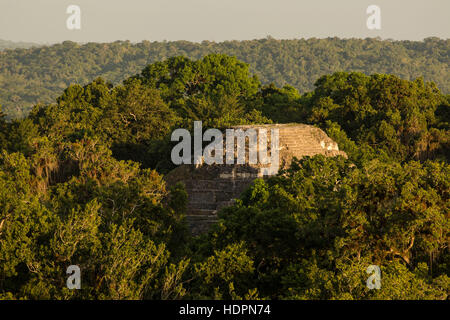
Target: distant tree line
(6,44)
(39,75)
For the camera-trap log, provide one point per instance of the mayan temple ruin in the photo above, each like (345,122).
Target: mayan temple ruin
(212,187)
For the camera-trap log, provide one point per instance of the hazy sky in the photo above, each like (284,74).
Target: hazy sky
(218,20)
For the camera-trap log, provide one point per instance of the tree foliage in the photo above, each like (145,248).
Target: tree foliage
(81,183)
(313,231)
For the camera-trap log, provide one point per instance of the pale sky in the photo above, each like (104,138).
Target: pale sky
(44,21)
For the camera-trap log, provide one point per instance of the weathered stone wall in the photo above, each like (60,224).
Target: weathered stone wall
(212,187)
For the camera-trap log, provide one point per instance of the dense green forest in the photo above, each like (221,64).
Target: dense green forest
(39,75)
(81,178)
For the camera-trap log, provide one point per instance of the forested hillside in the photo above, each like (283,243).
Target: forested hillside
(81,178)
(39,75)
